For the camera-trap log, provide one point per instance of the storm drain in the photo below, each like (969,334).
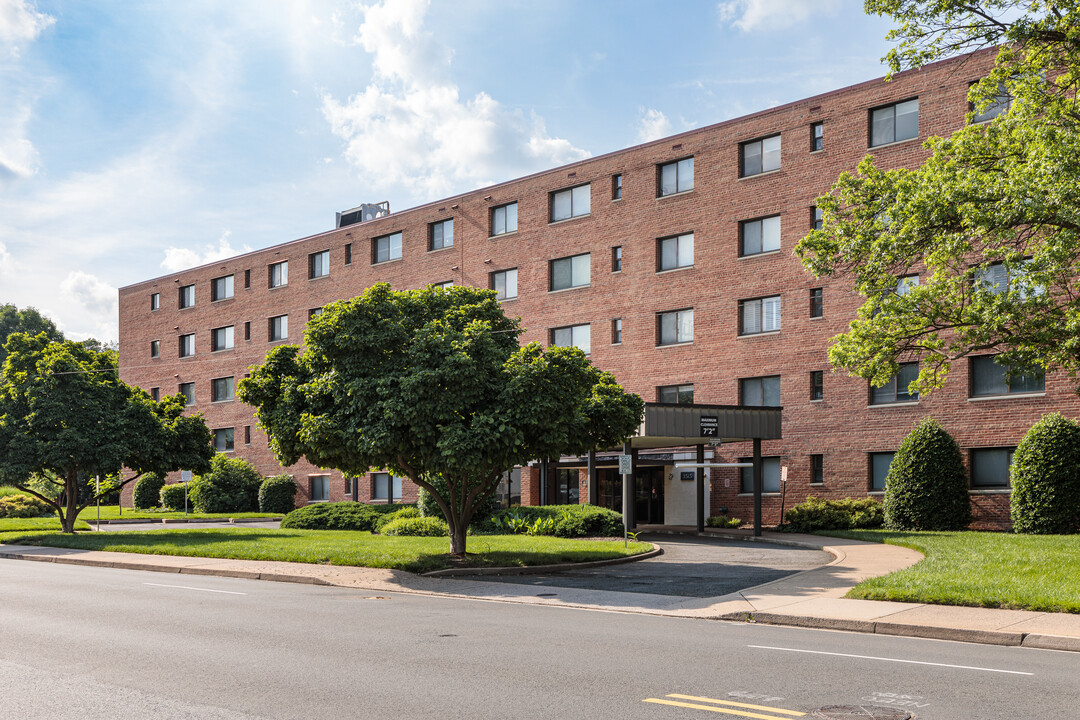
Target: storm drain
(865,712)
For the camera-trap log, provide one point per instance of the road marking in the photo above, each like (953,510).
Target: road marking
(735,704)
(711,708)
(188,587)
(897,660)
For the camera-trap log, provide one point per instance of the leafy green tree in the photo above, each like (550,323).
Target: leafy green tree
(432,384)
(989,222)
(926,488)
(65,417)
(30,321)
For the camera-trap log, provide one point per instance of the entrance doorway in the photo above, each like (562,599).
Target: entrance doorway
(649,495)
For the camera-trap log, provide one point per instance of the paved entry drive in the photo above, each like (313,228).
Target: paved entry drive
(689,567)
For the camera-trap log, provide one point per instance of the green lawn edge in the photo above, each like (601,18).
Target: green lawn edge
(112,512)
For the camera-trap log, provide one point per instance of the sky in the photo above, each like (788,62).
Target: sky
(142,138)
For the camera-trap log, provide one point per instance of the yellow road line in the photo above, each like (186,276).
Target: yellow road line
(737,704)
(713,708)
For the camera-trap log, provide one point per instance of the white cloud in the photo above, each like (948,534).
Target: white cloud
(410,127)
(750,15)
(91,293)
(6,263)
(653,125)
(18,157)
(20,23)
(184,258)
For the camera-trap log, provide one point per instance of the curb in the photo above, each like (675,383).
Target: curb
(174,521)
(539,569)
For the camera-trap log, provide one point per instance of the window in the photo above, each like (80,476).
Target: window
(816,220)
(896,390)
(996,278)
(678,394)
(221,338)
(348,486)
(314,312)
(247,279)
(279,274)
(616,258)
(759,156)
(155,348)
(223,439)
(904,284)
(879,470)
(760,391)
(187,296)
(247,330)
(817,302)
(817,136)
(675,327)
(570,203)
(616,331)
(318,264)
(320,488)
(187,345)
(567,490)
(445,285)
(573,336)
(188,391)
(990,467)
(817,384)
(989,378)
(760,236)
(616,187)
(386,248)
(817,469)
(570,272)
(676,177)
(441,234)
(509,489)
(155,394)
(675,252)
(222,389)
(348,253)
(155,301)
(770,475)
(504,219)
(247,434)
(504,283)
(999,104)
(221,288)
(382,483)
(759,316)
(893,123)
(279,328)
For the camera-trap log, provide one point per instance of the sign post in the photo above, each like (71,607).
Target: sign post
(626,468)
(185,477)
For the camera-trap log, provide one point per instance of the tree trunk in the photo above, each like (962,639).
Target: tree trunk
(71,514)
(458,533)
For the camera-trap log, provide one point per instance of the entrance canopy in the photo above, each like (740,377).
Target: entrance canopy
(679,425)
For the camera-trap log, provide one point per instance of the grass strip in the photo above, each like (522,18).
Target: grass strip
(979,569)
(16,527)
(340,547)
(112,512)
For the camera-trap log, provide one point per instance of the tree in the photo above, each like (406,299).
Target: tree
(926,488)
(66,417)
(990,220)
(431,384)
(30,321)
(1045,495)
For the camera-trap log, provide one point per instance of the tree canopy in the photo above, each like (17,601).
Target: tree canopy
(990,222)
(65,416)
(432,384)
(29,321)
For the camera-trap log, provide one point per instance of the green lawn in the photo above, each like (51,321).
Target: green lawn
(329,547)
(17,527)
(981,569)
(112,512)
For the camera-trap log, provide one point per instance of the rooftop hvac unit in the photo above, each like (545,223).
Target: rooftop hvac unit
(367,211)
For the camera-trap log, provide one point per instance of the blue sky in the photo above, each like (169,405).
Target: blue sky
(139,138)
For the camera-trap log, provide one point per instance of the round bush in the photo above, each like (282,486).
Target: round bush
(23,506)
(147,492)
(417,527)
(172,497)
(589,521)
(337,516)
(482,508)
(232,485)
(927,488)
(820,514)
(408,511)
(277,494)
(1046,478)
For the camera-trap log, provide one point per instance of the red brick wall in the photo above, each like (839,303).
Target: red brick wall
(841,427)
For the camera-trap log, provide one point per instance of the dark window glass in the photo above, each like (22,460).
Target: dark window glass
(760,392)
(221,288)
(188,391)
(187,345)
(990,467)
(879,469)
(320,488)
(817,469)
(318,264)
(569,203)
(386,248)
(187,296)
(381,485)
(155,348)
(279,274)
(348,253)
(223,440)
(759,236)
(758,156)
(817,136)
(221,338)
(759,316)
(616,331)
(675,327)
(616,187)
(155,394)
(570,272)
(681,394)
(770,475)
(893,123)
(247,434)
(222,389)
(441,235)
(816,302)
(817,385)
(247,330)
(279,328)
(247,279)
(991,378)
(676,177)
(505,284)
(616,258)
(896,390)
(155,301)
(504,219)
(816,220)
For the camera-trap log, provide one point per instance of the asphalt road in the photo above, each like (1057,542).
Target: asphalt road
(86,643)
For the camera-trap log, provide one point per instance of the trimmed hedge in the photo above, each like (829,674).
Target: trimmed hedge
(172,497)
(416,527)
(927,486)
(567,521)
(408,511)
(429,508)
(23,506)
(147,492)
(336,516)
(723,521)
(846,514)
(277,494)
(1046,478)
(232,485)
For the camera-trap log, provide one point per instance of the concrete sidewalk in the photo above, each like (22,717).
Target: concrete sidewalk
(812,598)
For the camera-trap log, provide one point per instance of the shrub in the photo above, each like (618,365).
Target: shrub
(277,494)
(336,516)
(820,514)
(407,511)
(927,487)
(589,521)
(173,496)
(482,509)
(23,506)
(232,485)
(416,527)
(723,521)
(562,520)
(1046,478)
(147,492)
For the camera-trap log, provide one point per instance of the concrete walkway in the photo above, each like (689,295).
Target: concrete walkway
(812,598)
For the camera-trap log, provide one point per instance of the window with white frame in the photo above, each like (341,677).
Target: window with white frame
(760,315)
(896,389)
(279,328)
(895,122)
(760,391)
(505,284)
(675,177)
(571,202)
(279,274)
(675,252)
(224,439)
(504,219)
(386,248)
(187,345)
(759,156)
(221,288)
(570,272)
(222,389)
(318,264)
(578,336)
(759,236)
(441,234)
(221,338)
(676,326)
(990,378)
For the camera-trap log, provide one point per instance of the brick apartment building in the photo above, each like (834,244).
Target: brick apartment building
(670,263)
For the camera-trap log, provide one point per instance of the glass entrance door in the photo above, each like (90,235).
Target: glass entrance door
(649,496)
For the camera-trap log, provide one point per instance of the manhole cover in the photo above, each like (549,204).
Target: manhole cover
(867,712)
